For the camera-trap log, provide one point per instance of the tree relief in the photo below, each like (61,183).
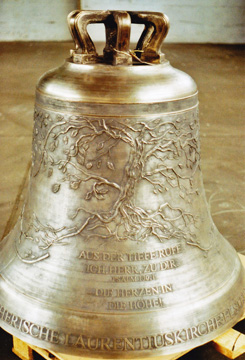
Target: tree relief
(111,162)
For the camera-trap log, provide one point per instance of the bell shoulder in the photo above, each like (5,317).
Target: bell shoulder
(100,83)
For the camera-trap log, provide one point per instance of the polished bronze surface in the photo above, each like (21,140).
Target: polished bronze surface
(115,253)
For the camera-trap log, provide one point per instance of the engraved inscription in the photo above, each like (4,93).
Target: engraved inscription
(137,256)
(140,304)
(136,304)
(133,292)
(130,343)
(130,269)
(133,278)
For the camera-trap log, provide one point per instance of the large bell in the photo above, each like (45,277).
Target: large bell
(115,254)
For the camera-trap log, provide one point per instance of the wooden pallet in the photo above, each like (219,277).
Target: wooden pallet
(230,344)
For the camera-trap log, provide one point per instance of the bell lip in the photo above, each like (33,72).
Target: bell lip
(147,354)
(107,84)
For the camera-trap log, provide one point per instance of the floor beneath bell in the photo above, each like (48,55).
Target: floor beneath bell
(219,73)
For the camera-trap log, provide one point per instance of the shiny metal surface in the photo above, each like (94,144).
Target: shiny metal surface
(115,254)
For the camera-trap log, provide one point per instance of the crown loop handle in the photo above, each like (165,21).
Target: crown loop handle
(118,26)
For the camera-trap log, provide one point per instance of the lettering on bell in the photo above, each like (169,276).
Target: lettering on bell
(128,344)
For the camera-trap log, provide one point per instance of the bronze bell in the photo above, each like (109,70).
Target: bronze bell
(115,254)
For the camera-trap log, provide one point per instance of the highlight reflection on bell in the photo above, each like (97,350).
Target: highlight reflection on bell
(115,254)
